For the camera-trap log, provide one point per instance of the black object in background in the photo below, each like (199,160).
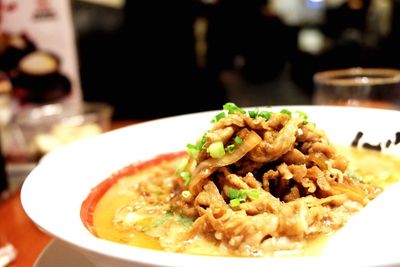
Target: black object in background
(145,64)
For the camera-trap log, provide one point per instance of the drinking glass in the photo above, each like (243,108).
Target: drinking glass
(366,87)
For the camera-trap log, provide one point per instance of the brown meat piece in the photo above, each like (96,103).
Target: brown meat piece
(284,141)
(209,196)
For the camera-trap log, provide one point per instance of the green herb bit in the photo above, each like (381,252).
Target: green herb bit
(265,115)
(302,115)
(239,194)
(285,111)
(234,203)
(182,165)
(216,150)
(232,108)
(218,117)
(192,150)
(238,140)
(230,148)
(254,113)
(253,193)
(202,142)
(186,177)
(186,194)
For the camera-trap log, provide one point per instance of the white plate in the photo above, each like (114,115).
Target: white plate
(53,192)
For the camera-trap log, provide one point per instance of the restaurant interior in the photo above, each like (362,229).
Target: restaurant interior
(144,60)
(188,56)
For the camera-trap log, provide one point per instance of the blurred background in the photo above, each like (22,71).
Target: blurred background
(149,59)
(160,58)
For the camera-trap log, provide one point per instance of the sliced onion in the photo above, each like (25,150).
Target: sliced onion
(352,192)
(319,159)
(207,167)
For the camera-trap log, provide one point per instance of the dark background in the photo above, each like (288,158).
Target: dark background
(141,58)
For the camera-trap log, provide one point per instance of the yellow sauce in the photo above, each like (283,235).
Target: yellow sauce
(117,196)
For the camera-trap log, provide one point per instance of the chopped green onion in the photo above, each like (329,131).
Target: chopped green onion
(285,111)
(186,177)
(253,113)
(238,140)
(192,150)
(265,114)
(230,148)
(240,195)
(218,117)
(186,194)
(202,142)
(302,114)
(216,150)
(237,194)
(253,194)
(232,108)
(182,165)
(234,203)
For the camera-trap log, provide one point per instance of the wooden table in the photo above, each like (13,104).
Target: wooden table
(17,229)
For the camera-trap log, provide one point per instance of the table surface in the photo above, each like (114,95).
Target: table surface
(16,228)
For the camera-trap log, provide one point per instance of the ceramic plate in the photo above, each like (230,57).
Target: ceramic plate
(53,192)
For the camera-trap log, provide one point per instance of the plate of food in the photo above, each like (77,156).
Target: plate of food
(259,186)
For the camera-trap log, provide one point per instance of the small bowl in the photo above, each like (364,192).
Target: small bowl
(53,193)
(38,130)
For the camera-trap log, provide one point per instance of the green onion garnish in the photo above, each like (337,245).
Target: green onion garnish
(253,113)
(238,140)
(202,142)
(182,165)
(234,203)
(302,114)
(265,115)
(186,194)
(285,111)
(186,177)
(240,195)
(192,150)
(218,117)
(216,150)
(253,194)
(232,108)
(230,148)
(237,194)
